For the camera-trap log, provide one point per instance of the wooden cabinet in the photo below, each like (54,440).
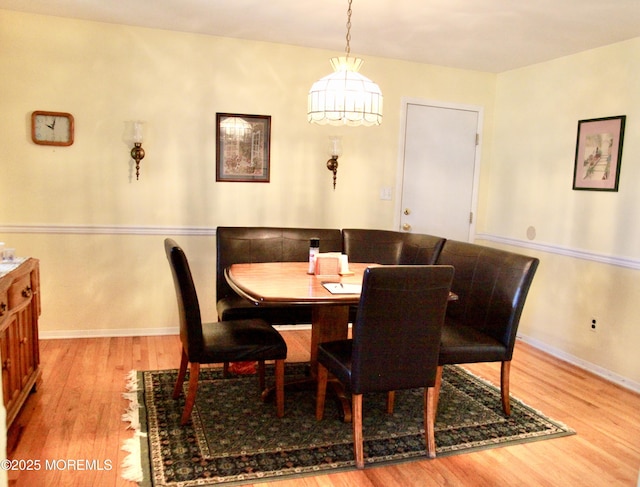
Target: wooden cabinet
(19,349)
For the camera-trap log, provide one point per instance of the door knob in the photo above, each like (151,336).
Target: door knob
(407,211)
(406,227)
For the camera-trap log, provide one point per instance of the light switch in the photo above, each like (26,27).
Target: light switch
(385,193)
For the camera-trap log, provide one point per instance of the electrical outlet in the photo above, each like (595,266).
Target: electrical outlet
(594,325)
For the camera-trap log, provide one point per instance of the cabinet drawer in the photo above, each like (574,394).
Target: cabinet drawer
(20,291)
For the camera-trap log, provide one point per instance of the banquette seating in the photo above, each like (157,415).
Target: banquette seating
(390,248)
(491,284)
(241,245)
(481,326)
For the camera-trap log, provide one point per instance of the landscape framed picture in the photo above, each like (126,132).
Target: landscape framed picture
(599,154)
(243,147)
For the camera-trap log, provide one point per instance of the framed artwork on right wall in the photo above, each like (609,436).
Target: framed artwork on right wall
(598,154)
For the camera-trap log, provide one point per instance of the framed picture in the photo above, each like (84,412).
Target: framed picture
(598,154)
(243,147)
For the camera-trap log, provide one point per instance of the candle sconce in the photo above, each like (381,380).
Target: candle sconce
(335,151)
(137,152)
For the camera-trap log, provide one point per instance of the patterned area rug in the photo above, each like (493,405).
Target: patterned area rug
(235,438)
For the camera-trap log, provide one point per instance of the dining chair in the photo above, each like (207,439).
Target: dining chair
(219,342)
(395,344)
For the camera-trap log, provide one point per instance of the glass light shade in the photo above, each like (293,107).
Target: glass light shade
(345,97)
(133,132)
(334,147)
(136,131)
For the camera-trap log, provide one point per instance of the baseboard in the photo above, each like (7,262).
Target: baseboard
(122,332)
(134,332)
(292,327)
(583,364)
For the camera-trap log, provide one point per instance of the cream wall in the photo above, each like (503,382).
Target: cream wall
(588,241)
(99,233)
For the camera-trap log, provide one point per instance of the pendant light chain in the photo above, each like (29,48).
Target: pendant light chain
(348,49)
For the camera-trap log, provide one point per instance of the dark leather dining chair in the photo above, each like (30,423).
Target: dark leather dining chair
(219,342)
(481,326)
(395,345)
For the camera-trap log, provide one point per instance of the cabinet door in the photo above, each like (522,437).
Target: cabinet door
(25,338)
(11,375)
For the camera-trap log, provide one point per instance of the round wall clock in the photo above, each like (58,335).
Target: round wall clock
(52,128)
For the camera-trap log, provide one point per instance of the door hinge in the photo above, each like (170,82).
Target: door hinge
(470,217)
(477,139)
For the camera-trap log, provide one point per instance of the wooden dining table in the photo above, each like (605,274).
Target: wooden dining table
(288,283)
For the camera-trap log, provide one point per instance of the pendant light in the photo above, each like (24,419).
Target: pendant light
(345,97)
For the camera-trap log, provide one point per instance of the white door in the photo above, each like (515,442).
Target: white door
(439,171)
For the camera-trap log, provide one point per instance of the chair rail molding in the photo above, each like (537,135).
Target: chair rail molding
(561,250)
(107,230)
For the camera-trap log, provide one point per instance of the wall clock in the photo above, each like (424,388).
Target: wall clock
(52,128)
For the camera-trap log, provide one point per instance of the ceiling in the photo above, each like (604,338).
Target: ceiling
(485,35)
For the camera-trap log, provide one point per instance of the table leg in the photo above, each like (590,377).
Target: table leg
(330,323)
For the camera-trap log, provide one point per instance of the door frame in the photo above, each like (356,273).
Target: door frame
(405,102)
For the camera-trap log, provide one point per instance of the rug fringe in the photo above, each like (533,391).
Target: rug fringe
(132,464)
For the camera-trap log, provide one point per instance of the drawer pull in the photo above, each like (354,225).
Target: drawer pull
(7,364)
(3,308)
(23,340)
(26,292)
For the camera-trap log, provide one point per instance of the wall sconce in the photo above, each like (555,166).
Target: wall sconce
(137,153)
(335,151)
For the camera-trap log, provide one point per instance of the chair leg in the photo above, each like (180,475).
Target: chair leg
(279,388)
(261,374)
(436,388)
(429,420)
(182,371)
(194,372)
(505,369)
(391,401)
(323,375)
(358,443)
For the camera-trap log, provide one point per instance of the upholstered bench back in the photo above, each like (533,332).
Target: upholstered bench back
(492,287)
(390,248)
(238,245)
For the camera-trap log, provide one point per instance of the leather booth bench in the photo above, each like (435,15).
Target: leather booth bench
(243,245)
(491,284)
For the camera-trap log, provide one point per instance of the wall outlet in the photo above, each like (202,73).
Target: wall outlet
(593,326)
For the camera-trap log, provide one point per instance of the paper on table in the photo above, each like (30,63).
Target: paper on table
(339,288)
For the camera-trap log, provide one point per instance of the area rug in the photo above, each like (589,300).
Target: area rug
(235,438)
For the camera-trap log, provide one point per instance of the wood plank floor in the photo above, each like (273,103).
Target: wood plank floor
(75,415)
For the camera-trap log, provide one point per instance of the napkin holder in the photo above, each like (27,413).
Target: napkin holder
(327,264)
(332,264)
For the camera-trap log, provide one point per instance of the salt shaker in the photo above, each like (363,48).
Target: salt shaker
(314,249)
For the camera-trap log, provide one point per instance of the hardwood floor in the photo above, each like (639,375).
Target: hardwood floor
(75,416)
